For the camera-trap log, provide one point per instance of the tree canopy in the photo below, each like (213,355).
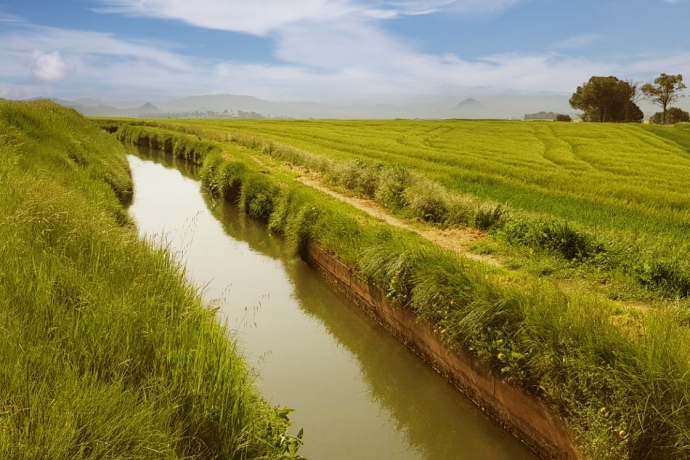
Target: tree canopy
(664,91)
(673,115)
(607,99)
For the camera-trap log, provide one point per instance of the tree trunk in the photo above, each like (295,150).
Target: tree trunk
(663,117)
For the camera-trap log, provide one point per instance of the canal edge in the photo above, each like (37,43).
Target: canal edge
(522,415)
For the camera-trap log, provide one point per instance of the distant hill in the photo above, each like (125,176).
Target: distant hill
(148,107)
(470,104)
(219,102)
(230,106)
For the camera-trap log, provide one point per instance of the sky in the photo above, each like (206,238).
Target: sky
(328,49)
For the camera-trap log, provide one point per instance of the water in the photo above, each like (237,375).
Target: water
(358,392)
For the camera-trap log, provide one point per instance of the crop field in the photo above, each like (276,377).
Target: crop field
(612,198)
(618,177)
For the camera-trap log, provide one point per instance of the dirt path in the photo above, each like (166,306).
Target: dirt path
(457,240)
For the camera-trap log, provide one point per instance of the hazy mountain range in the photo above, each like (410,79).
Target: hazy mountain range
(486,106)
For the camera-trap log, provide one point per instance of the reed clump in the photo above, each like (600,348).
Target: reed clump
(107,350)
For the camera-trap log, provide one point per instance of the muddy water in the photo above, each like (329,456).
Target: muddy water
(358,393)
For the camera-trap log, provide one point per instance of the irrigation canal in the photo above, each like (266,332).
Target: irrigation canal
(357,391)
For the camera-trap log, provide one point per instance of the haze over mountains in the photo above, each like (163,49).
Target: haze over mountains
(487,106)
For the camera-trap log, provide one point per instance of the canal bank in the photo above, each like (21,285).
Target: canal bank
(389,257)
(358,392)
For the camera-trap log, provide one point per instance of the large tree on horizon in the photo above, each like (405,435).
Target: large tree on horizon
(633,94)
(664,91)
(607,99)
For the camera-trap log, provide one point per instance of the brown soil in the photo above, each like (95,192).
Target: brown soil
(456,239)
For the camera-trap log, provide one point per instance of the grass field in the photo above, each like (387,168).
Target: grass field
(610,198)
(107,352)
(619,177)
(617,374)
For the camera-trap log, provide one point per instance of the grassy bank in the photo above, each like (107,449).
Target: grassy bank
(619,378)
(107,350)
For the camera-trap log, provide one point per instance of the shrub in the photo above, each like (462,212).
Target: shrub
(673,115)
(391,190)
(427,200)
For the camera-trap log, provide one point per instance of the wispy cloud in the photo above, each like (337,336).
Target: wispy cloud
(260,17)
(91,59)
(100,60)
(577,41)
(11,92)
(9,18)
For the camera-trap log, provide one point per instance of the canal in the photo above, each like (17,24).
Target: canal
(357,392)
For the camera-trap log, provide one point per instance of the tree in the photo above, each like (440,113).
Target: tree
(664,91)
(607,99)
(673,115)
(632,93)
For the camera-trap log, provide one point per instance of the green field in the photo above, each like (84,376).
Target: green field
(611,198)
(107,351)
(617,373)
(620,177)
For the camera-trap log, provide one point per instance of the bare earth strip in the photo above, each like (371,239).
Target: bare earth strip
(457,239)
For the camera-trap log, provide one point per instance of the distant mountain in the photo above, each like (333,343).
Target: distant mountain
(470,104)
(148,108)
(228,106)
(87,102)
(219,102)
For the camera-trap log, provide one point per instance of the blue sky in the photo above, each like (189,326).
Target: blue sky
(309,49)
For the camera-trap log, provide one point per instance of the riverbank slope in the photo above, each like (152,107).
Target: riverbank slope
(107,349)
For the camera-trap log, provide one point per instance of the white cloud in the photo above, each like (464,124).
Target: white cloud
(673,62)
(256,17)
(48,68)
(92,60)
(362,61)
(260,17)
(578,41)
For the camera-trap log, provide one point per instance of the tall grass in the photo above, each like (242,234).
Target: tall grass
(107,350)
(620,381)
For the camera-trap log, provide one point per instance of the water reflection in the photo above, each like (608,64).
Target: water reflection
(358,392)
